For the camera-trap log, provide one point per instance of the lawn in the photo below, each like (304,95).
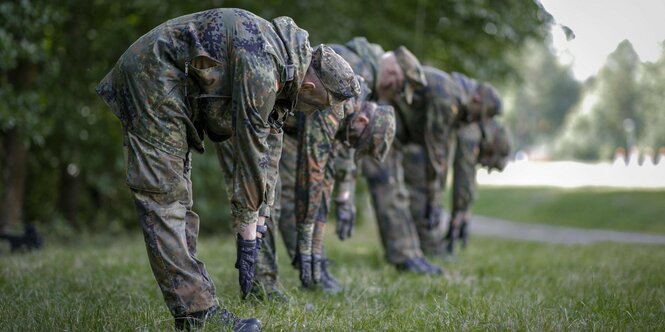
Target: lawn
(106,284)
(614,209)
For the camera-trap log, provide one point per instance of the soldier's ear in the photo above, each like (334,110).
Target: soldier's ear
(307,85)
(362,119)
(310,81)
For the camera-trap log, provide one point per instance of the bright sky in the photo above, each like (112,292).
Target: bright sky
(600,25)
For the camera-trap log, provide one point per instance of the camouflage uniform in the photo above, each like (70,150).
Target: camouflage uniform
(464,141)
(322,127)
(487,145)
(389,196)
(317,136)
(200,74)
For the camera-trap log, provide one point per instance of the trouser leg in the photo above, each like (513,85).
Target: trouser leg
(287,213)
(431,240)
(266,266)
(170,230)
(391,207)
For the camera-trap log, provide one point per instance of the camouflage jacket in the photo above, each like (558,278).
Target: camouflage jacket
(317,147)
(440,106)
(363,57)
(230,68)
(319,167)
(323,158)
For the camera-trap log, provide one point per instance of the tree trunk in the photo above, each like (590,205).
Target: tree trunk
(14,168)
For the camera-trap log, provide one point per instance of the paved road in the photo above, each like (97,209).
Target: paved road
(556,234)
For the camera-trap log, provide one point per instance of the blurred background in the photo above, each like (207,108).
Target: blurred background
(583,86)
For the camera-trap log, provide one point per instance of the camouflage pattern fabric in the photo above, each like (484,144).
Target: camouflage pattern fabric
(390,200)
(200,74)
(170,226)
(376,139)
(314,175)
(414,178)
(266,269)
(464,167)
(287,201)
(227,82)
(398,233)
(433,108)
(283,211)
(495,146)
(363,57)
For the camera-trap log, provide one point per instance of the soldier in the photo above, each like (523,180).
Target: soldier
(427,121)
(365,126)
(231,75)
(488,146)
(391,76)
(385,74)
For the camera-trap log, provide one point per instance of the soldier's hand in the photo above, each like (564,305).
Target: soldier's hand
(304,263)
(434,216)
(247,250)
(345,212)
(317,265)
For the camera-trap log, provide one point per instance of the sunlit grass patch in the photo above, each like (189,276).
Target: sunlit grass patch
(616,209)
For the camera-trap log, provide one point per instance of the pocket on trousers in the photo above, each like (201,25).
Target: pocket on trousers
(150,169)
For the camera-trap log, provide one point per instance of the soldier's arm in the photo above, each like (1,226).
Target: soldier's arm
(253,98)
(345,188)
(464,167)
(345,173)
(315,146)
(437,133)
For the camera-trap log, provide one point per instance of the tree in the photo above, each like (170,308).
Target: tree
(75,171)
(24,51)
(611,100)
(651,109)
(541,101)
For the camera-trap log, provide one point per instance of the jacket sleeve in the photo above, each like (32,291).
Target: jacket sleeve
(315,178)
(345,174)
(437,133)
(464,167)
(253,98)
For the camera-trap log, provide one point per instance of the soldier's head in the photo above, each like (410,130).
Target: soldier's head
(329,80)
(399,72)
(371,129)
(485,102)
(494,146)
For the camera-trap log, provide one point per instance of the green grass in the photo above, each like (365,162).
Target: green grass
(615,209)
(106,284)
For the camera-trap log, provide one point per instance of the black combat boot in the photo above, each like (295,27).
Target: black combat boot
(328,283)
(464,233)
(451,236)
(218,316)
(418,265)
(431,268)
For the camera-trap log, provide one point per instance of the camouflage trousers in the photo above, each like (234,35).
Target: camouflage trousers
(391,201)
(414,163)
(162,190)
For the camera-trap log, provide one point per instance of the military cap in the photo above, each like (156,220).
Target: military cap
(379,134)
(335,73)
(414,76)
(495,145)
(490,99)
